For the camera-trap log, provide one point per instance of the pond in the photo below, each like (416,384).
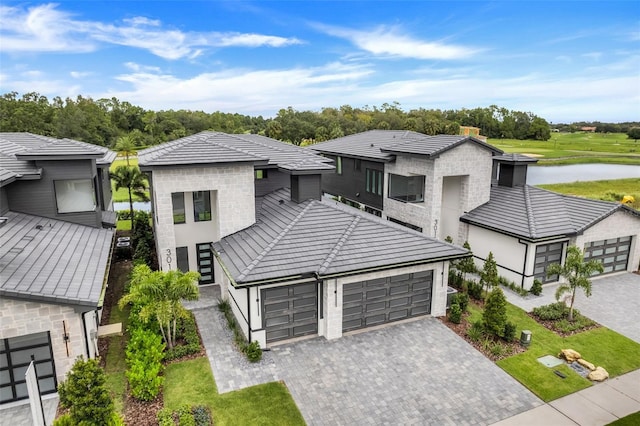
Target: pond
(538,175)
(137,205)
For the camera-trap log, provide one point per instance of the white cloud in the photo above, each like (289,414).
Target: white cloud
(80,74)
(388,41)
(592,55)
(45,28)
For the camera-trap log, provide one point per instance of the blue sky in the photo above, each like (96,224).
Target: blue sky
(564,61)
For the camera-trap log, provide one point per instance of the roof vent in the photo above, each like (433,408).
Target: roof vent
(371,145)
(3,220)
(39,227)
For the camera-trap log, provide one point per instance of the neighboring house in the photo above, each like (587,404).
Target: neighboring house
(473,132)
(461,187)
(290,263)
(590,129)
(56,236)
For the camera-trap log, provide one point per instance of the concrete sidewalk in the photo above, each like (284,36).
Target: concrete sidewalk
(597,405)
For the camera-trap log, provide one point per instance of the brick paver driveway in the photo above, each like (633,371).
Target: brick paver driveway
(413,373)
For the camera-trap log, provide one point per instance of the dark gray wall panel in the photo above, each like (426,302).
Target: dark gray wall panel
(305,187)
(4,202)
(352,182)
(275,180)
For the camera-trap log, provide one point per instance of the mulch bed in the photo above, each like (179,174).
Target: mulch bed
(141,413)
(551,325)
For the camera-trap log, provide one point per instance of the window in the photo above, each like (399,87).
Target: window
(205,263)
(374,181)
(339,165)
(182,259)
(201,206)
(357,164)
(177,199)
(406,188)
(261,174)
(77,195)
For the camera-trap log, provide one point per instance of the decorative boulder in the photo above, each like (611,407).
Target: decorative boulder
(586,364)
(598,375)
(570,355)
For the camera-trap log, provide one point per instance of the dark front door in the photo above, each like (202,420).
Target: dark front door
(205,263)
(290,311)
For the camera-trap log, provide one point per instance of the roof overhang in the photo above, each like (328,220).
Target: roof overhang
(151,167)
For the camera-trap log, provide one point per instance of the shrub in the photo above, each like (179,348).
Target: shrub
(202,416)
(455,313)
(253,351)
(64,420)
(188,331)
(144,356)
(509,333)
(455,279)
(497,349)
(461,299)
(475,290)
(224,306)
(551,312)
(85,395)
(185,416)
(165,417)
(536,288)
(476,331)
(495,312)
(489,275)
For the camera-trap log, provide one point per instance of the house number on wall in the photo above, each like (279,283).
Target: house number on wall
(168,258)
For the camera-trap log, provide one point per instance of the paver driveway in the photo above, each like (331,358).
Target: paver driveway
(413,373)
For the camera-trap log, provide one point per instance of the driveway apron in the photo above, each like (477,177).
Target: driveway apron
(417,372)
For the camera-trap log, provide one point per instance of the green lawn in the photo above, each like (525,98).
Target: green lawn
(603,347)
(630,420)
(191,382)
(121,161)
(123,225)
(609,190)
(579,147)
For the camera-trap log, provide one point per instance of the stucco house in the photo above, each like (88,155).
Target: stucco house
(56,235)
(464,188)
(247,212)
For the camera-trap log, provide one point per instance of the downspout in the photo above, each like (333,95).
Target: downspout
(86,336)
(249,315)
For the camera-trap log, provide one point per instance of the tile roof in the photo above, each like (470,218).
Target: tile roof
(322,238)
(534,213)
(216,147)
(53,261)
(383,144)
(515,158)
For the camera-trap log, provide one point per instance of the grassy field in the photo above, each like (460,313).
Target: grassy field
(608,190)
(603,347)
(573,148)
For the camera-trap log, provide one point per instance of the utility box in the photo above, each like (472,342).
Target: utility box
(525,338)
(450,293)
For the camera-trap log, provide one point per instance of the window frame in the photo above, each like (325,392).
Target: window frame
(339,165)
(178,218)
(410,196)
(374,180)
(207,203)
(58,189)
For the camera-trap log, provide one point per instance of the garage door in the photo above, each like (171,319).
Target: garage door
(613,253)
(15,357)
(369,303)
(547,254)
(290,311)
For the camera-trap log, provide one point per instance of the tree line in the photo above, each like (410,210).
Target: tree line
(104,121)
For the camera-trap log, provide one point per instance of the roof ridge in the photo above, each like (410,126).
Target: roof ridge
(273,243)
(336,249)
(529,209)
(155,151)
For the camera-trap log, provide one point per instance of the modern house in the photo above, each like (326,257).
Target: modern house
(56,236)
(247,212)
(466,189)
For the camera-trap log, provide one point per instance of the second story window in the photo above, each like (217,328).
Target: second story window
(409,189)
(374,181)
(75,195)
(177,200)
(201,206)
(339,165)
(260,174)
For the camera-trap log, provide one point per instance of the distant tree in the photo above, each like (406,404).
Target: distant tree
(489,275)
(131,178)
(577,274)
(634,133)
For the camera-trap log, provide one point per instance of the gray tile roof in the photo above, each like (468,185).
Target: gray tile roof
(6,176)
(52,261)
(535,213)
(321,238)
(515,158)
(384,144)
(215,147)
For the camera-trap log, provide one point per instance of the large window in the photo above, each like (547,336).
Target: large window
(177,200)
(201,206)
(406,188)
(374,181)
(182,259)
(75,195)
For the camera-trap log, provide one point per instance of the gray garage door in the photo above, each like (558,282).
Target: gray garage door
(613,253)
(369,303)
(290,311)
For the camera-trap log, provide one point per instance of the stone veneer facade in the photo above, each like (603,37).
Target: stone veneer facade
(469,161)
(19,318)
(232,205)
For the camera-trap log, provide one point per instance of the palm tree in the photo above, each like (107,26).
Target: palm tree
(134,180)
(576,272)
(125,146)
(160,293)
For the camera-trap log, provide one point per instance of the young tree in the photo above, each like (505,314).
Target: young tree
(577,274)
(131,178)
(126,147)
(160,293)
(466,265)
(494,315)
(489,274)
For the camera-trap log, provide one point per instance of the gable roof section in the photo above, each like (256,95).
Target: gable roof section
(383,145)
(216,147)
(534,213)
(48,260)
(321,238)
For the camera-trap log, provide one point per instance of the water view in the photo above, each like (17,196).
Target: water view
(538,175)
